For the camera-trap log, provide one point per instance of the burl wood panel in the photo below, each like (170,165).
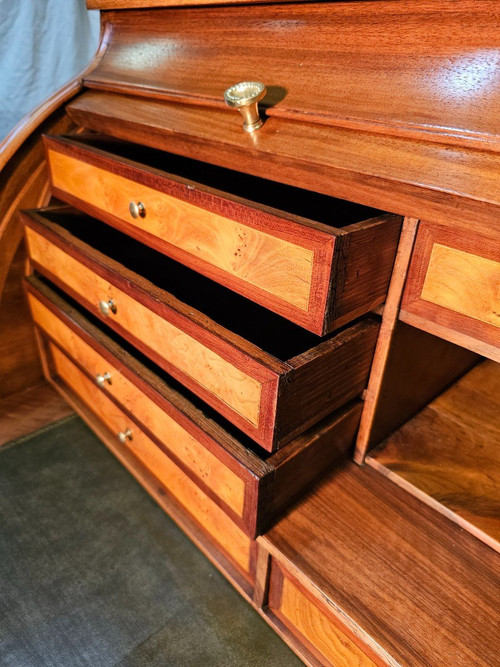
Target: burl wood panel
(315,625)
(449,454)
(409,583)
(316,274)
(324,62)
(223,482)
(270,399)
(276,266)
(240,391)
(205,511)
(253,491)
(400,175)
(453,287)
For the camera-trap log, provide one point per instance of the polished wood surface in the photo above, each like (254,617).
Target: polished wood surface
(223,482)
(318,49)
(241,580)
(406,581)
(130,4)
(217,376)
(276,266)
(269,398)
(389,319)
(254,491)
(204,510)
(313,622)
(19,362)
(319,274)
(449,454)
(453,287)
(463,282)
(400,175)
(30,410)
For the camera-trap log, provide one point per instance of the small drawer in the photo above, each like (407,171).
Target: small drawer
(253,490)
(210,517)
(270,378)
(316,260)
(312,624)
(453,287)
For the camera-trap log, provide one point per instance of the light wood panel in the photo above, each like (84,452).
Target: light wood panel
(453,286)
(222,481)
(277,266)
(232,385)
(211,517)
(449,454)
(463,282)
(298,612)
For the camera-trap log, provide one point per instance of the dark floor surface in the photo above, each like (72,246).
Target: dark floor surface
(93,573)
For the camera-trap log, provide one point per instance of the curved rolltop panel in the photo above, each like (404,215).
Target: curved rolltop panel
(414,68)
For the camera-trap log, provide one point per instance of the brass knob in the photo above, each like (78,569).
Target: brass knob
(123,436)
(245,97)
(102,378)
(137,210)
(107,307)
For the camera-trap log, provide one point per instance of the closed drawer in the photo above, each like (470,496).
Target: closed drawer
(272,384)
(251,489)
(312,624)
(453,287)
(246,233)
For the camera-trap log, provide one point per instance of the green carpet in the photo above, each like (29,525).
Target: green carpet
(93,573)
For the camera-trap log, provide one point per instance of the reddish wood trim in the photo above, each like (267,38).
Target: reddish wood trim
(243,581)
(452,325)
(389,319)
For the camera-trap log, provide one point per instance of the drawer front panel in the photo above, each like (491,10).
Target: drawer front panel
(453,287)
(320,634)
(225,484)
(206,512)
(463,282)
(271,264)
(220,378)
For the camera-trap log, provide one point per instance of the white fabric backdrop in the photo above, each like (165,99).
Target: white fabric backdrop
(43,44)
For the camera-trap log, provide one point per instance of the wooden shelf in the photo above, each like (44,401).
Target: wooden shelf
(449,454)
(410,585)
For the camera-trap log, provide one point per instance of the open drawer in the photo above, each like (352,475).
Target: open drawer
(251,489)
(269,377)
(316,260)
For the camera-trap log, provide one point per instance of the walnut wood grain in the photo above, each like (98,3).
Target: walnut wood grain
(407,582)
(318,51)
(449,454)
(453,287)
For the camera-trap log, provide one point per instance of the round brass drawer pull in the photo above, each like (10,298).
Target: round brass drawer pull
(102,378)
(137,210)
(123,436)
(245,97)
(107,307)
